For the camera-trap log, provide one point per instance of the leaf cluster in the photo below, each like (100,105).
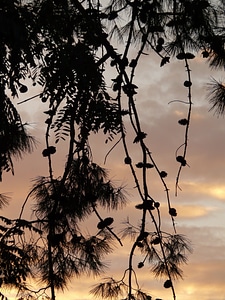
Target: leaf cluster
(16,254)
(14,139)
(59,208)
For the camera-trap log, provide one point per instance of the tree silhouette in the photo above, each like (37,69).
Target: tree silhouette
(66,47)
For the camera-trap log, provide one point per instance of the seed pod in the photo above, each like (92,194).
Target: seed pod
(108,221)
(163,174)
(149,166)
(101,225)
(157,204)
(139,165)
(187,83)
(44,99)
(160,41)
(181,160)
(139,206)
(52,149)
(181,56)
(23,88)
(104,223)
(140,265)
(167,284)
(189,55)
(45,152)
(183,122)
(127,160)
(173,212)
(158,48)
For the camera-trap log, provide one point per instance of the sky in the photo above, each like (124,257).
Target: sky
(201,202)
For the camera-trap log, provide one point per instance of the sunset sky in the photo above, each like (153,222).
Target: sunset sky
(200,204)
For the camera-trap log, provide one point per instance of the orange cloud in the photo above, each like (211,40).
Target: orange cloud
(192,211)
(214,190)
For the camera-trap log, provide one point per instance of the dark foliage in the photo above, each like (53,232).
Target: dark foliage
(64,47)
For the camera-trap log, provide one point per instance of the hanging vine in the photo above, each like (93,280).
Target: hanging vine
(66,54)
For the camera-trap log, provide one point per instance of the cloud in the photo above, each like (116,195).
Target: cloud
(212,190)
(203,275)
(200,204)
(192,211)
